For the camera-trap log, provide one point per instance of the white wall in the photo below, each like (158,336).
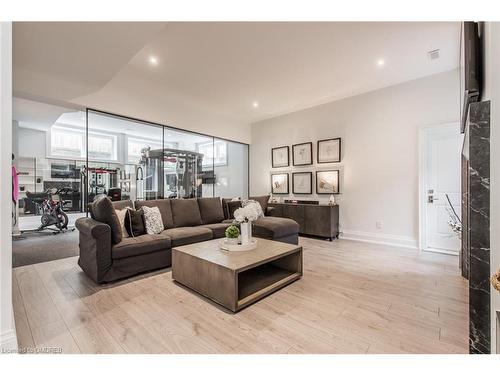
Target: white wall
(492,92)
(379,167)
(8,338)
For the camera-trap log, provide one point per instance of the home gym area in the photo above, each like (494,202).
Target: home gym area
(62,158)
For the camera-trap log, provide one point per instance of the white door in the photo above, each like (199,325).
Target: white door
(442,147)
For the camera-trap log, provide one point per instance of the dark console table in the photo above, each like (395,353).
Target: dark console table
(315,220)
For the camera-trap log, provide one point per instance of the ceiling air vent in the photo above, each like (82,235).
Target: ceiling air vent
(434,54)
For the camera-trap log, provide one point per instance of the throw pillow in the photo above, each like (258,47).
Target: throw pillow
(165,209)
(152,220)
(121,217)
(103,211)
(134,223)
(231,207)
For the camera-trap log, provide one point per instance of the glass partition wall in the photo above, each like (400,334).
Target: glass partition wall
(49,154)
(138,160)
(71,155)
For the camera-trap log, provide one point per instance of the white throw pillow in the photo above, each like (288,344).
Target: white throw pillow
(121,218)
(152,220)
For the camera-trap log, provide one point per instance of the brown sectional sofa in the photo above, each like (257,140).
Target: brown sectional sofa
(105,255)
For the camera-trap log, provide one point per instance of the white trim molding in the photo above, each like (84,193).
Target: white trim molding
(380,238)
(8,338)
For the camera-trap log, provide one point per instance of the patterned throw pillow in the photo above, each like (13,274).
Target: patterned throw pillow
(152,220)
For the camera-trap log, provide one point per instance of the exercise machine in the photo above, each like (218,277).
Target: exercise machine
(53,217)
(171,173)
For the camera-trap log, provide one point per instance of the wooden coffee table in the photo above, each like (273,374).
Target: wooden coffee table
(236,279)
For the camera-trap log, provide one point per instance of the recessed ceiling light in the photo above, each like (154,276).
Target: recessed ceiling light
(255,104)
(380,62)
(153,60)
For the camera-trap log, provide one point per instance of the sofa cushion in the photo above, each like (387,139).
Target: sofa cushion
(186,212)
(139,245)
(263,200)
(188,235)
(274,227)
(164,207)
(120,205)
(231,207)
(218,229)
(211,210)
(103,211)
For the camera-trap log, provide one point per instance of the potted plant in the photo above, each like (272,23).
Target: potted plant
(232,234)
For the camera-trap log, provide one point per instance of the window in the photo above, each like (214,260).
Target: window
(213,153)
(135,147)
(102,146)
(67,142)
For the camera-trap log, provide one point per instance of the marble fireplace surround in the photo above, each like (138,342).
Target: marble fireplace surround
(479,228)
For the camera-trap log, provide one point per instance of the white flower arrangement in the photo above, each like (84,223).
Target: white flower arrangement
(454,220)
(250,211)
(455,226)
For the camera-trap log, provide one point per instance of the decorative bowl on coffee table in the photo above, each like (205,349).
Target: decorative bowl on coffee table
(229,246)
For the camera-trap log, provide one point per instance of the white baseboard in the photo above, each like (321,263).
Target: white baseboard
(380,238)
(8,341)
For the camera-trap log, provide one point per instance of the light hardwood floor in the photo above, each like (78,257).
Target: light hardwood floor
(354,297)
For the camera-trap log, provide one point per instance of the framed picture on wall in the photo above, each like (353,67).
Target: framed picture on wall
(279,157)
(329,150)
(327,182)
(302,182)
(279,183)
(302,153)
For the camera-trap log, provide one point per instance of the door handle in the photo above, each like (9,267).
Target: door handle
(431,199)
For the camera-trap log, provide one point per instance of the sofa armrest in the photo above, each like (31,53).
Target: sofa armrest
(92,228)
(95,248)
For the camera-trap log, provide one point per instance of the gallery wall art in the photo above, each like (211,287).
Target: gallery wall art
(327,182)
(302,182)
(329,150)
(302,154)
(279,183)
(280,157)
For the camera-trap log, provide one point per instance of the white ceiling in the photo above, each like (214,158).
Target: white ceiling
(222,68)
